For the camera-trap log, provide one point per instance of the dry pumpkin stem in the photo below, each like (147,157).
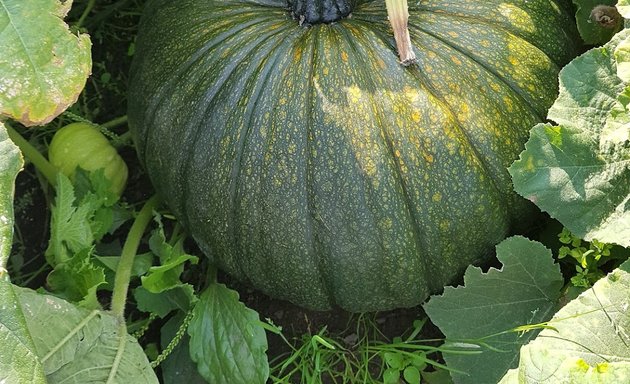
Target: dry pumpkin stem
(606,16)
(398,14)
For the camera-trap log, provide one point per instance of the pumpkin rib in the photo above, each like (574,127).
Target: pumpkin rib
(270,274)
(228,72)
(180,75)
(253,100)
(236,167)
(325,283)
(420,238)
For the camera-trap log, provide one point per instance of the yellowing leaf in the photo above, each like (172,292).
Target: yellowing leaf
(43,66)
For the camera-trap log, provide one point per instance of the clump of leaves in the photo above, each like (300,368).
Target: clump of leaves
(587,257)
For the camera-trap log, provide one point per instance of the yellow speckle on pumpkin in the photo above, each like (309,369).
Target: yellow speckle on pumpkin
(415,116)
(354,94)
(513,60)
(485,43)
(437,197)
(444,224)
(428,157)
(602,367)
(297,55)
(453,34)
(325,71)
(456,60)
(344,56)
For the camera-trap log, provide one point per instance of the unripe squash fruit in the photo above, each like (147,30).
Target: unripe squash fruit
(83,145)
(306,161)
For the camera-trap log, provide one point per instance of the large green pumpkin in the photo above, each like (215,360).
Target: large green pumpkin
(305,160)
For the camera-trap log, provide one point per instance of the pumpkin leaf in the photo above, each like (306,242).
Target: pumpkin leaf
(10,163)
(623,6)
(489,304)
(589,340)
(19,363)
(579,171)
(590,31)
(82,346)
(226,339)
(45,66)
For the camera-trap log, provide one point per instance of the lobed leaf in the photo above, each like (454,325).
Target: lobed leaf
(69,344)
(19,363)
(524,291)
(589,341)
(579,171)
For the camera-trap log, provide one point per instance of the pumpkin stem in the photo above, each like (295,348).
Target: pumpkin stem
(319,11)
(398,14)
(606,16)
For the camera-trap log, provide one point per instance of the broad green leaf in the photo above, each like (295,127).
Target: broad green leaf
(18,358)
(76,345)
(10,164)
(180,297)
(591,32)
(18,363)
(524,291)
(178,366)
(589,341)
(166,276)
(172,259)
(43,66)
(579,171)
(141,263)
(226,339)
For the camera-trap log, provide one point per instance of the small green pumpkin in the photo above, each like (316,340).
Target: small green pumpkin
(305,160)
(83,145)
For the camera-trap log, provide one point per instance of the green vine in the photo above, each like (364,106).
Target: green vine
(123,272)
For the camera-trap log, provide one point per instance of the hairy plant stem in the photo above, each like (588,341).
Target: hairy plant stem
(33,155)
(123,272)
(398,14)
(115,122)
